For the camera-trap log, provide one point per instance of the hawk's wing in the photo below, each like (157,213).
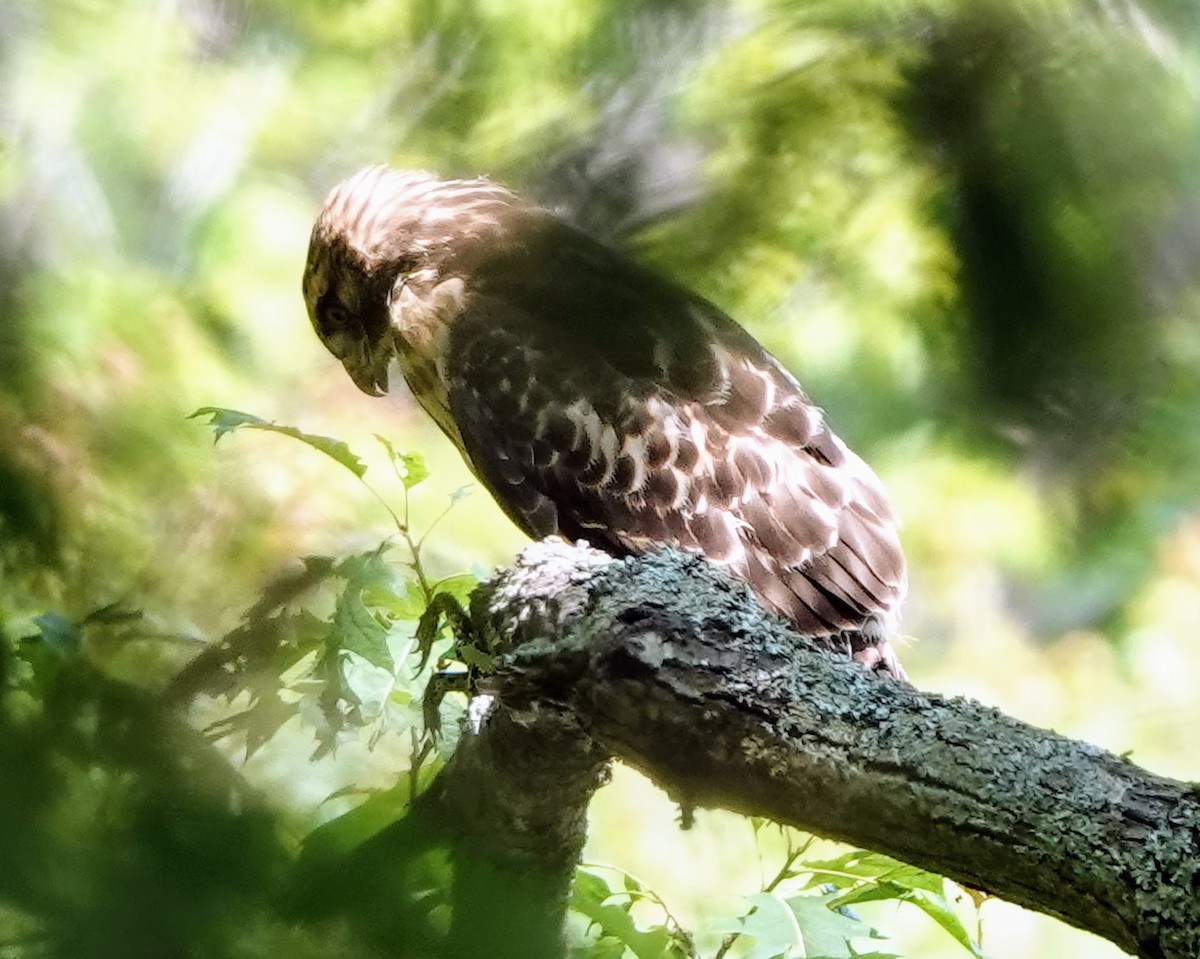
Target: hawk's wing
(691,436)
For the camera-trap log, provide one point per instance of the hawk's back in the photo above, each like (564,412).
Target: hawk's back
(599,401)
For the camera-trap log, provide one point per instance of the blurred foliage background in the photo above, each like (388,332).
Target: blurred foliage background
(971,228)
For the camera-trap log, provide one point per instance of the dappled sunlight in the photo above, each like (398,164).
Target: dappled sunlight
(970,231)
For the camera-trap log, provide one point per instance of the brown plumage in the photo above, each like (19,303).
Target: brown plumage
(596,400)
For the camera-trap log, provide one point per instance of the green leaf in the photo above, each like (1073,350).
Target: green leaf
(402,600)
(356,629)
(347,832)
(369,569)
(771,926)
(409,466)
(826,933)
(941,911)
(291,585)
(259,723)
(58,633)
(605,947)
(476,658)
(592,898)
(871,877)
(589,891)
(858,865)
(111,615)
(226,421)
(264,720)
(415,470)
(460,586)
(371,686)
(335,704)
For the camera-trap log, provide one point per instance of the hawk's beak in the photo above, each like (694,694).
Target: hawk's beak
(370,373)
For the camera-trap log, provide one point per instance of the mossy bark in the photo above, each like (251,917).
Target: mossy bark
(665,664)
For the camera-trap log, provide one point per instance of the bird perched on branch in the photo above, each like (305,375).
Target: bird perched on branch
(599,401)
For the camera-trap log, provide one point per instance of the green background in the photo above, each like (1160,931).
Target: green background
(971,229)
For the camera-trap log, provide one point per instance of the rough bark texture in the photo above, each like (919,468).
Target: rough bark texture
(502,784)
(665,664)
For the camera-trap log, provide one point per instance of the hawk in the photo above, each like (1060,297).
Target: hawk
(599,401)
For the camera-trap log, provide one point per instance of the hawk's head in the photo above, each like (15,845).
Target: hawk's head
(377,231)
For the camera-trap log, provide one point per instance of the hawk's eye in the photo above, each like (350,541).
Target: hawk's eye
(333,317)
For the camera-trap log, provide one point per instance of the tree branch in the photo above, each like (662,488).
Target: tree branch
(666,664)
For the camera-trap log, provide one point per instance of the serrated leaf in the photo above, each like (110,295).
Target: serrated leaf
(403,600)
(870,891)
(409,466)
(347,832)
(460,586)
(287,587)
(616,923)
(368,570)
(112,614)
(225,421)
(588,891)
(415,470)
(863,865)
(328,712)
(477,658)
(356,630)
(944,914)
(371,686)
(259,723)
(592,898)
(264,719)
(606,947)
(826,934)
(771,926)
